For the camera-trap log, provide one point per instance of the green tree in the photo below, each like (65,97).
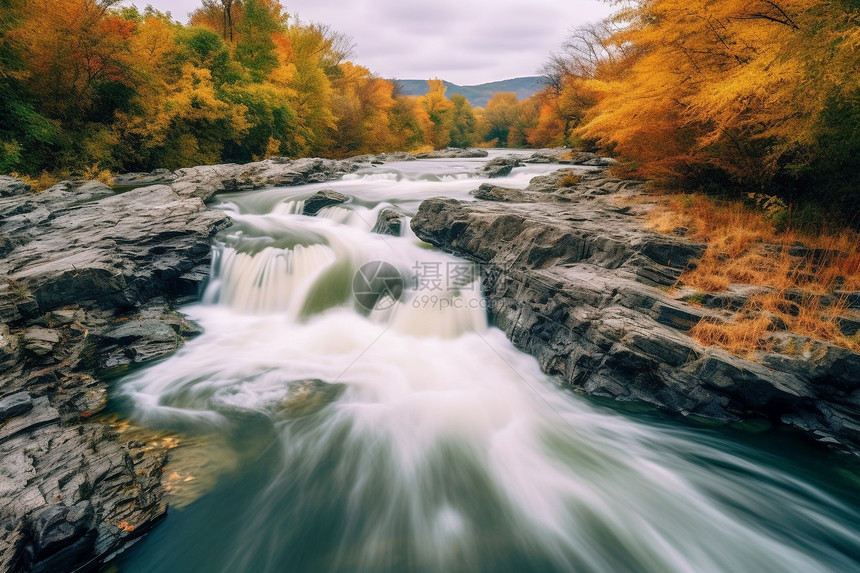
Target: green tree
(255,48)
(464,124)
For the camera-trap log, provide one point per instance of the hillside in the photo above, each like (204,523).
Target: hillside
(480,94)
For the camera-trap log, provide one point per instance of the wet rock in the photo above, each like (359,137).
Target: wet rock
(453,153)
(322,199)
(15,405)
(501,166)
(388,222)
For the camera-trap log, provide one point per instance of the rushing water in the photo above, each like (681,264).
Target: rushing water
(323,436)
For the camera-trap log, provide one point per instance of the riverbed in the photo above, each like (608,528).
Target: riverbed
(336,415)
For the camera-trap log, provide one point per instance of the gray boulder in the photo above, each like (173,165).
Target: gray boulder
(323,199)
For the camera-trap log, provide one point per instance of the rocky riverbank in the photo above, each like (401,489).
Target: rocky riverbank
(575,280)
(90,276)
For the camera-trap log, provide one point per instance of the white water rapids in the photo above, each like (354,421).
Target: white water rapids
(438,445)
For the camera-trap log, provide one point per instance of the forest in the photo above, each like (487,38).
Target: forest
(89,85)
(752,96)
(738,96)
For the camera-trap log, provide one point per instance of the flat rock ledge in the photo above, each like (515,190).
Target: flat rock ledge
(574,280)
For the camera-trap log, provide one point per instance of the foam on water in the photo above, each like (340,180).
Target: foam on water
(448,449)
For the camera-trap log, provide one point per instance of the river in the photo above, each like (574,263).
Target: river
(323,431)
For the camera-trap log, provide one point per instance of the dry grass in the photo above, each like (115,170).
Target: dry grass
(40,183)
(569,180)
(744,246)
(94,172)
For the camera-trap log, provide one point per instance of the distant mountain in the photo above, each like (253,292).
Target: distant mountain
(479,95)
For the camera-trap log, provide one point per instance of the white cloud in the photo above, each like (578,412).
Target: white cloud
(463,41)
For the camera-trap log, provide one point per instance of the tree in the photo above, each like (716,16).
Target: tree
(730,87)
(500,116)
(464,124)
(440,111)
(255,48)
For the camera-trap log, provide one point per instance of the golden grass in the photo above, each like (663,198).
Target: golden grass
(94,172)
(744,246)
(569,180)
(47,180)
(40,183)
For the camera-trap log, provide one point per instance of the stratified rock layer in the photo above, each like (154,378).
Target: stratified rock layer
(81,264)
(575,280)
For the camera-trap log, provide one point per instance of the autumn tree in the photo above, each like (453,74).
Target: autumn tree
(730,87)
(501,114)
(440,110)
(219,16)
(362,104)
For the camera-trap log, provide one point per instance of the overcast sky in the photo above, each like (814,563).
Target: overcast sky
(463,41)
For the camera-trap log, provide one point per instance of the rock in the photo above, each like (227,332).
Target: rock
(15,405)
(490,192)
(109,251)
(64,317)
(322,199)
(8,348)
(60,531)
(73,258)
(848,326)
(9,186)
(453,153)
(138,341)
(555,155)
(582,287)
(501,166)
(157,177)
(388,222)
(40,341)
(599,162)
(206,180)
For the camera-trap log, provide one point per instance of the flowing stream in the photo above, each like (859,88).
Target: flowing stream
(320,435)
